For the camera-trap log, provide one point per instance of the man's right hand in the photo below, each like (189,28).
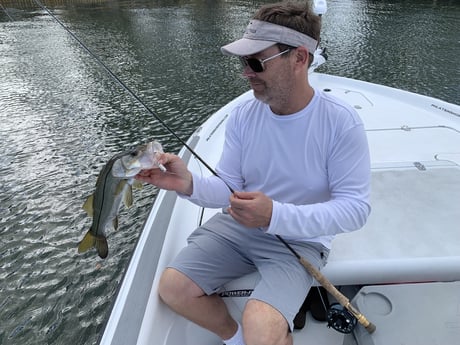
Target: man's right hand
(176,177)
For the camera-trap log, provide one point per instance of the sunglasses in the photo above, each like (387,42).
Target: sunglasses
(257,65)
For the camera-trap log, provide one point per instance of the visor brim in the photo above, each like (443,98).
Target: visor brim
(246,47)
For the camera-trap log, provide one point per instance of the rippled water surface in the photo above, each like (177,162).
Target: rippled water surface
(62,117)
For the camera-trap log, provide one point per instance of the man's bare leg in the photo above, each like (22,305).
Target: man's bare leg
(186,298)
(262,324)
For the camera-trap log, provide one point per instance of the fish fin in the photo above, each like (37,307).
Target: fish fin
(137,184)
(88,205)
(115,223)
(128,197)
(120,187)
(102,246)
(87,242)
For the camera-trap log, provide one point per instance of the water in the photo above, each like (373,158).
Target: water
(62,117)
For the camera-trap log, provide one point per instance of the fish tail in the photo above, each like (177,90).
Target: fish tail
(102,246)
(92,241)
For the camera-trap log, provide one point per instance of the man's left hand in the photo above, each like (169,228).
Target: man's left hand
(251,209)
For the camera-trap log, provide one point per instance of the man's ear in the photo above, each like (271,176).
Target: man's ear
(302,56)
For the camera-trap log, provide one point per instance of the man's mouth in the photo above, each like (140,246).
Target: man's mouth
(255,83)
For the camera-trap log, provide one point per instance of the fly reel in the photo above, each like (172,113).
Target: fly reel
(340,319)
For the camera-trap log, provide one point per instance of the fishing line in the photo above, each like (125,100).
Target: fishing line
(6,12)
(128,90)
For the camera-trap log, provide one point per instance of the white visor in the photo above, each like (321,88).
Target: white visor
(260,35)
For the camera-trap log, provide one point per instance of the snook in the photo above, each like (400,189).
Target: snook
(104,205)
(114,185)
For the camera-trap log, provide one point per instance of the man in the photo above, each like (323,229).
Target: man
(298,161)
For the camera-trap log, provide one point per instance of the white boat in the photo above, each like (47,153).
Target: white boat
(402,270)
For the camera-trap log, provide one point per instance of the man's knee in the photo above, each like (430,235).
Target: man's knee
(175,287)
(264,325)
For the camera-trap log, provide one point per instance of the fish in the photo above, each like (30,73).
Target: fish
(113,186)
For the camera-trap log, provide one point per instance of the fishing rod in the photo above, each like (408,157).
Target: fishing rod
(309,267)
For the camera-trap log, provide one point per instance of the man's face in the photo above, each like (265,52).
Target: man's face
(274,83)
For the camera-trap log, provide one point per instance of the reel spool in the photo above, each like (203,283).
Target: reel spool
(340,319)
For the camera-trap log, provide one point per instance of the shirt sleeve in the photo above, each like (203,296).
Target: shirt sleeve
(209,192)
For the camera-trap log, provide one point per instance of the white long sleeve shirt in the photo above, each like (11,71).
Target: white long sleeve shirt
(313,164)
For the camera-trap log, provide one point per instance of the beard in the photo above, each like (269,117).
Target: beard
(275,93)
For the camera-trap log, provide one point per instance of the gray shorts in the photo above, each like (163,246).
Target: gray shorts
(222,250)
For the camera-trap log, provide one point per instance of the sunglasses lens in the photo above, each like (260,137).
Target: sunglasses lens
(254,64)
